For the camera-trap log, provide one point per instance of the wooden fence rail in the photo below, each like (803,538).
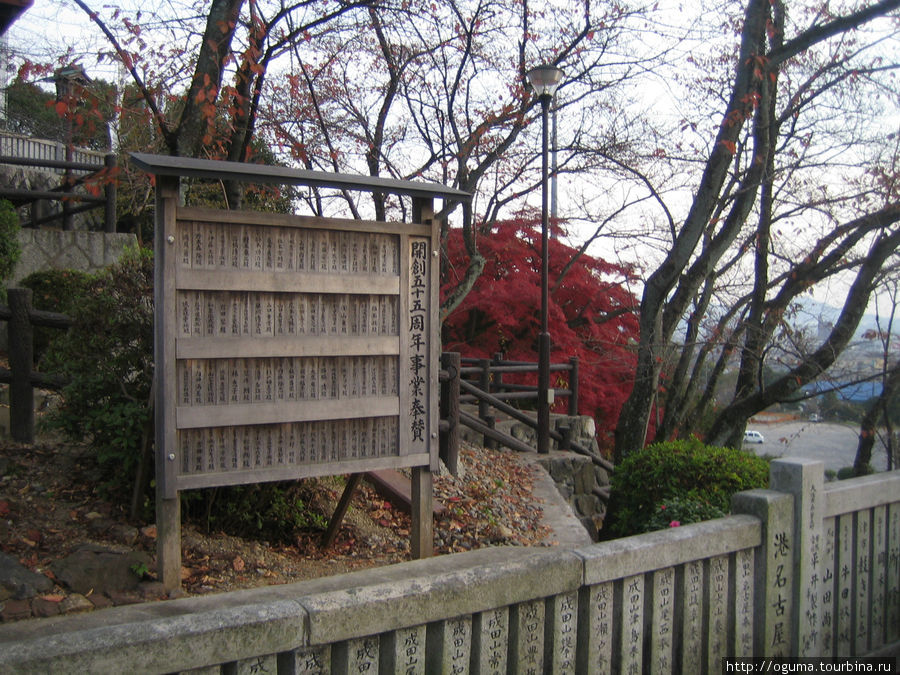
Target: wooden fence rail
(21,376)
(489,375)
(77,170)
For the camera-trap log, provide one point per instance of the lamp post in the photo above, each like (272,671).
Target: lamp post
(544,80)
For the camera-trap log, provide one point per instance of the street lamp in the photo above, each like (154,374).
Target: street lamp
(544,80)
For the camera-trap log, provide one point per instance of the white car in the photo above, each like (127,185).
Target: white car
(751,436)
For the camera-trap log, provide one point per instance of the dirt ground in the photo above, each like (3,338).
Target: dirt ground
(51,507)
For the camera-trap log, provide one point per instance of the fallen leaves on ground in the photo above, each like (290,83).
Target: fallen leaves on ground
(48,501)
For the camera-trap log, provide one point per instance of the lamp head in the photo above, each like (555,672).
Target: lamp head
(544,80)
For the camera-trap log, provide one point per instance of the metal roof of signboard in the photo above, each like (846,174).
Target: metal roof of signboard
(165,165)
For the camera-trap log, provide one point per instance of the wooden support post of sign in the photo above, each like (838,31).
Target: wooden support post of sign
(168,506)
(422,525)
(334,525)
(168,542)
(422,535)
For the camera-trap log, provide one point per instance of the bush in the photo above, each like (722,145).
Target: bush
(270,511)
(107,355)
(676,512)
(699,478)
(54,291)
(9,243)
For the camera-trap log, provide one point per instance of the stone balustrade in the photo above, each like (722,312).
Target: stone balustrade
(801,569)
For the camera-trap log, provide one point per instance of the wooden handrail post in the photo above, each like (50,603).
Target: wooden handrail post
(498,376)
(449,441)
(485,385)
(67,218)
(566,431)
(109,213)
(573,385)
(21,362)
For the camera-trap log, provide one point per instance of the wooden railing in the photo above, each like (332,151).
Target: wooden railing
(41,149)
(481,381)
(21,376)
(488,374)
(77,167)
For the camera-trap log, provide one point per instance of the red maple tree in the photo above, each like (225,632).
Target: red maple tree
(591,314)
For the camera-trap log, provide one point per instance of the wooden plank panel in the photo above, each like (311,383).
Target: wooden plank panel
(249,347)
(274,413)
(309,470)
(261,279)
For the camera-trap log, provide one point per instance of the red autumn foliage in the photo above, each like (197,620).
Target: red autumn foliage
(591,314)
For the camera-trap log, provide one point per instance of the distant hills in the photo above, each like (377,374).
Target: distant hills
(812,314)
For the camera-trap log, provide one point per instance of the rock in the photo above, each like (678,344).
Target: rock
(124,597)
(100,601)
(99,525)
(15,610)
(44,608)
(123,534)
(99,570)
(152,590)
(20,582)
(75,603)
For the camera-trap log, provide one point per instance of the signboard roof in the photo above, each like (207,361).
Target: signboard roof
(165,165)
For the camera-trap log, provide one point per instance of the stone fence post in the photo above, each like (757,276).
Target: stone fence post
(805,480)
(774,569)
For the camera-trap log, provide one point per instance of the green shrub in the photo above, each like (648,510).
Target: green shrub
(108,357)
(700,477)
(676,512)
(54,291)
(9,243)
(269,511)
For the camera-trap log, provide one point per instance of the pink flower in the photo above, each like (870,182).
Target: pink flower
(662,507)
(674,523)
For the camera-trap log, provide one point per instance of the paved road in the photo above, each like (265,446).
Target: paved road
(834,444)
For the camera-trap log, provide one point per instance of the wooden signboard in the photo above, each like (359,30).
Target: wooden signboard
(294,347)
(290,346)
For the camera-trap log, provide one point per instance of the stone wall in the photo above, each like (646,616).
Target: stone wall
(576,478)
(58,249)
(73,249)
(804,569)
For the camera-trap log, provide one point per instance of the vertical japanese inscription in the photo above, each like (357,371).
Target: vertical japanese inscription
(419,344)
(827,585)
(718,610)
(692,616)
(633,627)
(599,643)
(781,578)
(663,620)
(893,573)
(743,585)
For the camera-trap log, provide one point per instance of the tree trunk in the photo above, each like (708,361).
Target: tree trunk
(199,105)
(724,428)
(867,428)
(631,432)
